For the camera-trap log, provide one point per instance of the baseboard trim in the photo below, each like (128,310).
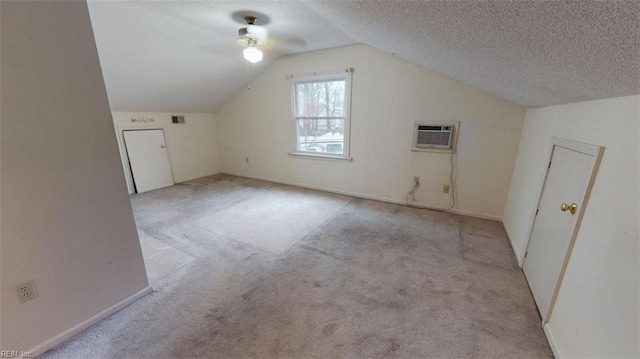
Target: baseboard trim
(366,196)
(191,178)
(80,327)
(552,342)
(519,257)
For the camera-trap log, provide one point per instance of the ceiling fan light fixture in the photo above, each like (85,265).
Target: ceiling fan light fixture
(253,32)
(251,37)
(252,54)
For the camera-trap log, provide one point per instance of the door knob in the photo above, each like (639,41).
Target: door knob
(569,207)
(163,145)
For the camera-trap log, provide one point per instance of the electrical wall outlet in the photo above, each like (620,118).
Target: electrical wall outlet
(26,291)
(445,188)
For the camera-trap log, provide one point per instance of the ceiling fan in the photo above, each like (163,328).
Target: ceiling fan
(252,36)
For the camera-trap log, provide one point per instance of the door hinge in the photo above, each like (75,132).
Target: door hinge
(549,165)
(537,210)
(525,254)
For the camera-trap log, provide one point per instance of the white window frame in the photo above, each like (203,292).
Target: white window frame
(345,75)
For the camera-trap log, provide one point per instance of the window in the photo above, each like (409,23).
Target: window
(321,115)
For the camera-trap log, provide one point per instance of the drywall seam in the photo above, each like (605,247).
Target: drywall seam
(365,196)
(80,327)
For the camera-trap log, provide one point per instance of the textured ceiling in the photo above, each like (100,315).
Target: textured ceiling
(182,56)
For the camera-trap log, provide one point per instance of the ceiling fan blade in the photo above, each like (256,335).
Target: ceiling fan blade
(291,44)
(223,49)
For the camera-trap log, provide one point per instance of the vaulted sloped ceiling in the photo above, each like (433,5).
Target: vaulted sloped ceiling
(182,56)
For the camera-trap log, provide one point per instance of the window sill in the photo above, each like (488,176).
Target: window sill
(320,157)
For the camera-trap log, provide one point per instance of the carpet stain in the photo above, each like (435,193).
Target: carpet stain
(329,329)
(247,295)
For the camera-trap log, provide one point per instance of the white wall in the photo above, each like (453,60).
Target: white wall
(389,94)
(192,146)
(597,310)
(1,286)
(66,216)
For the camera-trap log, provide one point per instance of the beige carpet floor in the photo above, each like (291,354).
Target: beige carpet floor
(160,259)
(258,270)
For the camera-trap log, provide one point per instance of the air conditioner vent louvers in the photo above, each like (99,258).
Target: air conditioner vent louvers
(433,136)
(177,119)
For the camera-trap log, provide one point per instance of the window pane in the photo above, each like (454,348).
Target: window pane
(320,99)
(320,135)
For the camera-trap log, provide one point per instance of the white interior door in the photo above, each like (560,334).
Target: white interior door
(564,195)
(147,151)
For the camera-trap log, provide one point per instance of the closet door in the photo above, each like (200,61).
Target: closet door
(148,158)
(570,175)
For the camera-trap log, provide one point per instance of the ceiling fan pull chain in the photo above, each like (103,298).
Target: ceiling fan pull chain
(248,76)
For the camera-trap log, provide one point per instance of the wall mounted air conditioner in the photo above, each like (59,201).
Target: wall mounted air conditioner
(433,136)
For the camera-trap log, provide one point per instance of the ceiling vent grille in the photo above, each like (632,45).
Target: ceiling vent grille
(177,119)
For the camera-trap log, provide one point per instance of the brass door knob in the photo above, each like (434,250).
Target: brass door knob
(569,207)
